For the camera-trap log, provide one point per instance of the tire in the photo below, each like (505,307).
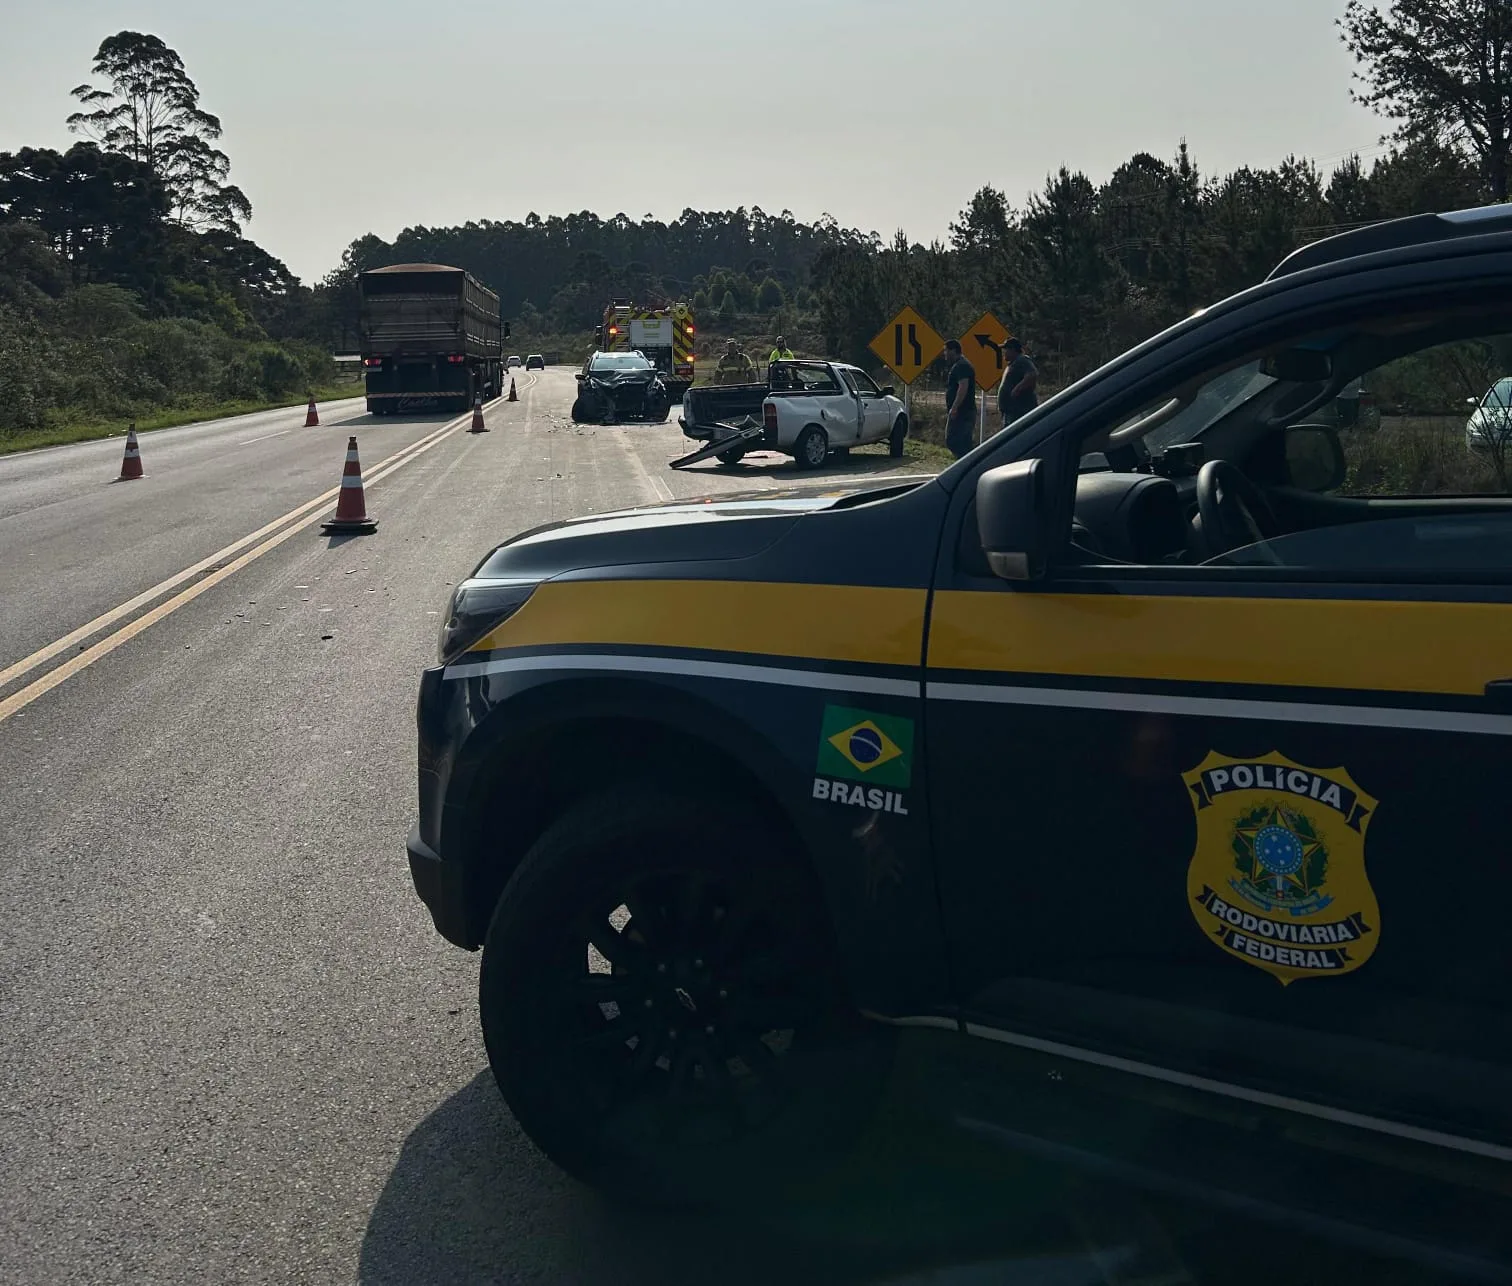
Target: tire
(899,436)
(579,412)
(841,453)
(812,448)
(733,456)
(710,939)
(658,409)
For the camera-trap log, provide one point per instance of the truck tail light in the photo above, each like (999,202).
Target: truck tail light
(371,362)
(769,416)
(456,359)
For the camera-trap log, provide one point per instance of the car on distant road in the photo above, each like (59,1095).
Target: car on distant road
(513,361)
(1144,770)
(535,362)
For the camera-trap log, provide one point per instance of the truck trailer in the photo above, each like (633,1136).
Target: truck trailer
(431,337)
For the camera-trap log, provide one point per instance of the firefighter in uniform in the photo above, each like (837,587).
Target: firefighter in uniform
(734,366)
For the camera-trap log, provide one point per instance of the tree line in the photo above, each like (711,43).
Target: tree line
(126,284)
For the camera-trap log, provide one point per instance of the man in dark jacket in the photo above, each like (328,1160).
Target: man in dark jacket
(960,401)
(1016,394)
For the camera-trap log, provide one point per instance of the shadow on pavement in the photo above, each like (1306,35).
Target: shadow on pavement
(471,1200)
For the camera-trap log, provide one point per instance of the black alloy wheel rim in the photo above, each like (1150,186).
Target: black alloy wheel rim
(684,1003)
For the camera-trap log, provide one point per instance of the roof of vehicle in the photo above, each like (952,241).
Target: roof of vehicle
(416,267)
(1398,234)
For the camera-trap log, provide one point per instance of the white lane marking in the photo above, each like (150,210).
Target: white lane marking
(1262,1098)
(45,654)
(249,441)
(793,678)
(1225,708)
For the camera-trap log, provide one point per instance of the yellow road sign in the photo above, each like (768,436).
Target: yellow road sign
(981,346)
(908,345)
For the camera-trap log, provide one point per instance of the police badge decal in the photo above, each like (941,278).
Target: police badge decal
(1278,875)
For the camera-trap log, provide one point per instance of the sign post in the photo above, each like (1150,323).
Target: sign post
(982,346)
(908,346)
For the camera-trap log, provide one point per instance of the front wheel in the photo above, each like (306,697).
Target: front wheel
(661,1004)
(579,412)
(733,456)
(812,448)
(899,436)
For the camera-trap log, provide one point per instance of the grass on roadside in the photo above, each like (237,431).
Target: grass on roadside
(91,430)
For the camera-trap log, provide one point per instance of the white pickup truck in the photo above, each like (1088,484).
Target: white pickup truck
(806,409)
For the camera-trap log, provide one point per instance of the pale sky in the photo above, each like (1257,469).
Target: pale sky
(343,118)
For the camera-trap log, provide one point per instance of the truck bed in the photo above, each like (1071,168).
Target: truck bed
(715,403)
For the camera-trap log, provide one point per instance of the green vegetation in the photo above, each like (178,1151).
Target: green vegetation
(126,288)
(63,432)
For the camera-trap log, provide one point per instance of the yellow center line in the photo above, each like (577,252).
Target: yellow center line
(298,518)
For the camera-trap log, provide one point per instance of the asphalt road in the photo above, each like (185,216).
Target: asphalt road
(234,1048)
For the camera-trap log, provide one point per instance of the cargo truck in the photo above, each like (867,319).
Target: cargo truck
(431,339)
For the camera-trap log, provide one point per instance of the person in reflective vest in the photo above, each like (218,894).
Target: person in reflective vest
(782,353)
(734,366)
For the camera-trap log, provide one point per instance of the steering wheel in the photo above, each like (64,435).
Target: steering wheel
(1234,511)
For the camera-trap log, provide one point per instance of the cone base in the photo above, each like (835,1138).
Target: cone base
(481,428)
(349,526)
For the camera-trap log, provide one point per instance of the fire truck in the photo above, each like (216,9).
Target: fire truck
(664,334)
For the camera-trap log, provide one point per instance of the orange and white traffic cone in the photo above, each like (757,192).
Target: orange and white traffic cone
(131,463)
(477,421)
(312,416)
(351,513)
(513,396)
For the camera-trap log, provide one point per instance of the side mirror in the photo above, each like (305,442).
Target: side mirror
(1012,520)
(1315,458)
(887,391)
(578,377)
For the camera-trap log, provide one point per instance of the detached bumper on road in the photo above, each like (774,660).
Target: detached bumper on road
(441,889)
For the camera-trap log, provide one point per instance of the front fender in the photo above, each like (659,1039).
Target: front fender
(570,735)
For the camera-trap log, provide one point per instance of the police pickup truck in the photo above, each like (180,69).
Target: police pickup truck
(1148,767)
(806,409)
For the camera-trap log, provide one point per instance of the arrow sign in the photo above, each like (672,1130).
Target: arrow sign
(908,345)
(981,345)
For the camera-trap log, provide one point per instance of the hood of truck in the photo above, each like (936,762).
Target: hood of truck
(739,525)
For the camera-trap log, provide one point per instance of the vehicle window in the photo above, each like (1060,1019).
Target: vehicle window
(864,383)
(814,379)
(619,362)
(1380,450)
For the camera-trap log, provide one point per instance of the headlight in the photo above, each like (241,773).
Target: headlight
(475,608)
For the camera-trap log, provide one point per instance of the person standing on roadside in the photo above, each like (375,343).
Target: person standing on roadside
(960,401)
(782,353)
(1016,394)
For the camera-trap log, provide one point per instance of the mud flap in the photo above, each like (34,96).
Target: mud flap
(743,437)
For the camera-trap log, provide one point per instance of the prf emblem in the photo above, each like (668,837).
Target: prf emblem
(1278,876)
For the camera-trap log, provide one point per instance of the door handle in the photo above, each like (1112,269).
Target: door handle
(1499,695)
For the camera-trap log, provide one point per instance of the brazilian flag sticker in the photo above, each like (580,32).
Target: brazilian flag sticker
(861,746)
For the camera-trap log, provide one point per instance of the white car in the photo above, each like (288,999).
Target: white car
(512,362)
(807,410)
(1491,423)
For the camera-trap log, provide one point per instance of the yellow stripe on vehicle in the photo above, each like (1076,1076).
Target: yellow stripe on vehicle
(1387,646)
(846,623)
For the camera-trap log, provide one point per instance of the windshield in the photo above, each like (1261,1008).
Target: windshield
(619,362)
(1213,401)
